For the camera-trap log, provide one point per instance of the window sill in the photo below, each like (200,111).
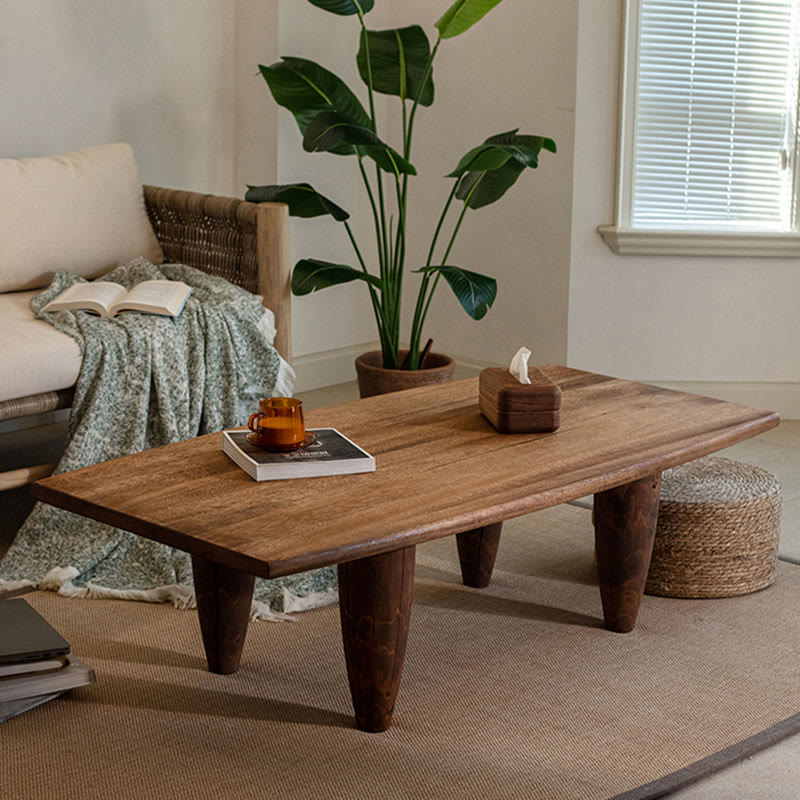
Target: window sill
(627,241)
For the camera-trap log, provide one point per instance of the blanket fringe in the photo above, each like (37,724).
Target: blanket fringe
(293,602)
(60,580)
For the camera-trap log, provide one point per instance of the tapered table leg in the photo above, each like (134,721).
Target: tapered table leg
(375,606)
(625,526)
(224,596)
(477,551)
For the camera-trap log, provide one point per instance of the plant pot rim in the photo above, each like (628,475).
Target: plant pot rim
(372,360)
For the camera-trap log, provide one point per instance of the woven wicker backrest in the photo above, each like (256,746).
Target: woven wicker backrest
(245,243)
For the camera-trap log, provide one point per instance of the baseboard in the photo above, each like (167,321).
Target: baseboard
(329,367)
(781,397)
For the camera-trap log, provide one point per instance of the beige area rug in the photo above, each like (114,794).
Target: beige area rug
(515,691)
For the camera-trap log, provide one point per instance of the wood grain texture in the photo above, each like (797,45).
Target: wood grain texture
(275,269)
(441,469)
(375,607)
(625,520)
(477,551)
(14,478)
(224,597)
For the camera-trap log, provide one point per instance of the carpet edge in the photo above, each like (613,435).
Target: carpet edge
(705,767)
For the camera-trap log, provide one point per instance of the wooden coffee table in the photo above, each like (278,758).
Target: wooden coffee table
(441,470)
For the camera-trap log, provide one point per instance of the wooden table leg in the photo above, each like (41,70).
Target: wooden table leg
(375,607)
(625,526)
(224,596)
(477,551)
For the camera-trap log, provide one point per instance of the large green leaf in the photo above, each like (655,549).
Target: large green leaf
(498,149)
(307,89)
(462,15)
(331,131)
(344,7)
(482,157)
(480,189)
(474,291)
(399,58)
(302,198)
(488,171)
(311,275)
(526,148)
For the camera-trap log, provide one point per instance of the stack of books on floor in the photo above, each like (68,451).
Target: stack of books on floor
(35,661)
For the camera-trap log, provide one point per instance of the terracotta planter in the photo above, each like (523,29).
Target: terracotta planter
(374,379)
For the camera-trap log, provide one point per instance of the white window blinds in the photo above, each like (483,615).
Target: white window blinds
(715,114)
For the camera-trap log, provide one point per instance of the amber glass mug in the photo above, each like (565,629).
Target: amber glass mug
(278,424)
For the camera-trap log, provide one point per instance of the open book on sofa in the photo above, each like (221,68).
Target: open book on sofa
(107,299)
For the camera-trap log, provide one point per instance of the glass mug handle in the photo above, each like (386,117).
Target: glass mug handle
(270,412)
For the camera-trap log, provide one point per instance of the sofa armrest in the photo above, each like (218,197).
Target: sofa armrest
(245,243)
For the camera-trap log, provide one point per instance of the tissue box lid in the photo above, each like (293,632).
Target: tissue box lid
(514,407)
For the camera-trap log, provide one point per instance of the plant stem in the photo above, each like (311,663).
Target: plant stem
(449,248)
(428,68)
(384,245)
(416,326)
(372,295)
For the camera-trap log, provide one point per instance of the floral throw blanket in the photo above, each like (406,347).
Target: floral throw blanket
(147,381)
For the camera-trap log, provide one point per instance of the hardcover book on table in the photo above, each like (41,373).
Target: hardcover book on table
(331,453)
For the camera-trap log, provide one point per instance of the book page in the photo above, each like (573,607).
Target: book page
(157,297)
(98,296)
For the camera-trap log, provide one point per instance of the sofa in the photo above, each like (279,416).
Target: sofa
(87,211)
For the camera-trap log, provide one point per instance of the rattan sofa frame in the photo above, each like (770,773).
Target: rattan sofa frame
(245,243)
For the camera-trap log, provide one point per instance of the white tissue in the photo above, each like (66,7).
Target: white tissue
(519,365)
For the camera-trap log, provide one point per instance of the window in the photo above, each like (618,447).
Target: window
(709,154)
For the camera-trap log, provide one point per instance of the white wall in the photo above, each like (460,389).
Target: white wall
(340,316)
(655,318)
(515,68)
(155,74)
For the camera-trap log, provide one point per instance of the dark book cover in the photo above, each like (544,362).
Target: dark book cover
(330,453)
(329,445)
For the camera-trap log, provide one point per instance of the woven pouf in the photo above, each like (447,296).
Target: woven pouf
(718,528)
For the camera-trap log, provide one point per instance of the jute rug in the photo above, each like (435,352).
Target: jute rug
(515,691)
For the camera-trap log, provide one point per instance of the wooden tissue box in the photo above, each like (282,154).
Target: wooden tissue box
(514,407)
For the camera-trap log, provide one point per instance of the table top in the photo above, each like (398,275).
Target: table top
(441,469)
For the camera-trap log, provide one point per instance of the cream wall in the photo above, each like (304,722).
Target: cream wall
(155,74)
(731,321)
(340,316)
(515,68)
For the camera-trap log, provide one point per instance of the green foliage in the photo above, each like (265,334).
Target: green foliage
(307,89)
(344,7)
(462,15)
(489,170)
(311,275)
(474,291)
(398,61)
(330,132)
(302,198)
(479,189)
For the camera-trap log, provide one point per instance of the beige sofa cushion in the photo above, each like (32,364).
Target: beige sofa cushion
(34,356)
(83,211)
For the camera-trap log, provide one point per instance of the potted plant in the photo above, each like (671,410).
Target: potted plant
(332,119)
